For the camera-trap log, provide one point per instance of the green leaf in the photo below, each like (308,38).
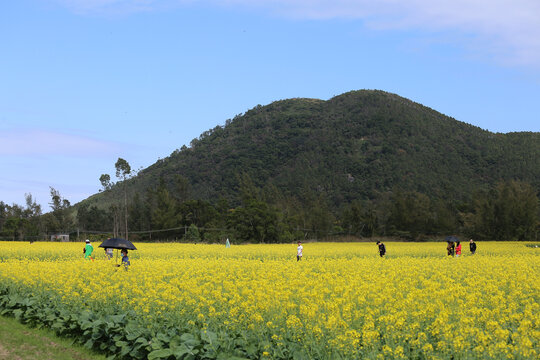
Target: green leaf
(120,343)
(141,340)
(187,337)
(163,337)
(251,349)
(208,336)
(160,354)
(89,344)
(17,313)
(125,350)
(132,336)
(180,351)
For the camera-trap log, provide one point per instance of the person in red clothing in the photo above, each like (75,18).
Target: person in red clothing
(458,248)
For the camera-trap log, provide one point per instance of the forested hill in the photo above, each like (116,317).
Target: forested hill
(358,145)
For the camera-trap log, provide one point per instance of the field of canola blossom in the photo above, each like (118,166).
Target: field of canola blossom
(341,301)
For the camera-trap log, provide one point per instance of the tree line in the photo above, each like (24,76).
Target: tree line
(507,211)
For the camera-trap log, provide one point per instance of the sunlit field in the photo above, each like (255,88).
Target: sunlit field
(341,301)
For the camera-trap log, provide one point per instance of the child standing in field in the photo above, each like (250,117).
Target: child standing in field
(125,258)
(299,251)
(88,249)
(458,249)
(382,248)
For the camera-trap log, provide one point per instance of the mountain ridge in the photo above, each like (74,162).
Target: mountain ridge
(357,145)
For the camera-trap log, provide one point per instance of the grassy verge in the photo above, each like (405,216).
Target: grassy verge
(18,341)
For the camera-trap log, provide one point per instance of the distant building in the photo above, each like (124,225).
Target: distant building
(60,237)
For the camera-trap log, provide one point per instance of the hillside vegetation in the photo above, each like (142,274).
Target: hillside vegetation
(363,163)
(358,145)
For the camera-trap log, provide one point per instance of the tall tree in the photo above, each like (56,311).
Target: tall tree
(3,214)
(92,218)
(123,170)
(181,190)
(32,213)
(61,217)
(409,214)
(105,180)
(14,222)
(360,219)
(509,211)
(165,215)
(139,214)
(255,221)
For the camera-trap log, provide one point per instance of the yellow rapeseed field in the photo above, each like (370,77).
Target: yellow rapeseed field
(340,301)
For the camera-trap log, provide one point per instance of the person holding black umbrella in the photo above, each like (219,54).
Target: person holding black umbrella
(119,244)
(450,248)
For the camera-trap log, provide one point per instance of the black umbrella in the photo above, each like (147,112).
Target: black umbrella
(117,243)
(451,239)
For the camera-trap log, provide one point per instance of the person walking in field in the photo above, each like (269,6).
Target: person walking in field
(299,250)
(450,248)
(88,250)
(458,249)
(382,248)
(472,246)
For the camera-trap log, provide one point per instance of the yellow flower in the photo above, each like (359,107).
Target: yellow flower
(343,303)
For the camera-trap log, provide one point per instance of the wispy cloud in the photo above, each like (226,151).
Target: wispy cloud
(112,7)
(23,142)
(506,29)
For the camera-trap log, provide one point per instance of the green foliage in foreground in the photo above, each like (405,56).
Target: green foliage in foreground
(123,337)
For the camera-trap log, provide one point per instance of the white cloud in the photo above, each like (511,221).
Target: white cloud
(108,7)
(22,142)
(507,29)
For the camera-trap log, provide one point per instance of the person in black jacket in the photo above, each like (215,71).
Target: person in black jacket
(450,248)
(472,246)
(382,248)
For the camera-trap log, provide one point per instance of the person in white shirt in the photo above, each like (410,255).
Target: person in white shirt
(299,251)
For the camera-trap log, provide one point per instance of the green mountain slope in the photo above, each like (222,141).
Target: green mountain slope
(358,145)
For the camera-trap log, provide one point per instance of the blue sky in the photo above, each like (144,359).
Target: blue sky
(83,82)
